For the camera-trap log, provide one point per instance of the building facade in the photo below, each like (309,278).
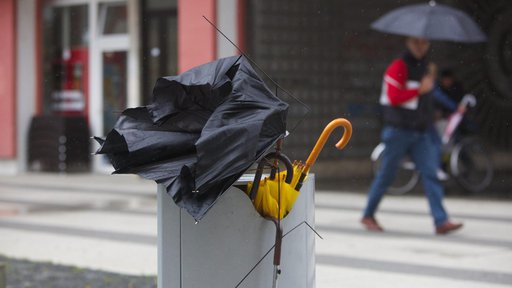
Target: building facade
(94,58)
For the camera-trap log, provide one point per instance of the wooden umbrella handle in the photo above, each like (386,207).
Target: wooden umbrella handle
(340,122)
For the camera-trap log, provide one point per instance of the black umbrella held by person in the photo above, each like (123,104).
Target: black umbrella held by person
(430,21)
(202,131)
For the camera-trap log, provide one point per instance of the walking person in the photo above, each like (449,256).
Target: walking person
(407,106)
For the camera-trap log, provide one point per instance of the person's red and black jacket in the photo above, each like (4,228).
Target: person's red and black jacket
(402,104)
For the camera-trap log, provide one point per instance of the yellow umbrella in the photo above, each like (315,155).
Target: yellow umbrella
(274,196)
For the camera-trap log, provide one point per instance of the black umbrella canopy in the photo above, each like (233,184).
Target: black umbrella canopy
(430,21)
(202,131)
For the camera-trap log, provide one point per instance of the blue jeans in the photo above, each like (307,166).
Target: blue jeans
(436,142)
(418,145)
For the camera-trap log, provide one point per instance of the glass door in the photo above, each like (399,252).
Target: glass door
(114,87)
(110,59)
(159,43)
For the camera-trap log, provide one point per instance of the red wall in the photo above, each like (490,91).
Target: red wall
(196,37)
(241,12)
(7,79)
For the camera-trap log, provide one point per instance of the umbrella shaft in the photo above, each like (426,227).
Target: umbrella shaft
(277,271)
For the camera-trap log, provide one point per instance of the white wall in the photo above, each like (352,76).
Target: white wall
(25,76)
(228,24)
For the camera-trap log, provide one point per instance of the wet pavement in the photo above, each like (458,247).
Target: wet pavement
(108,223)
(29,274)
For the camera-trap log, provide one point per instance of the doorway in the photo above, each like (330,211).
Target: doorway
(110,60)
(159,51)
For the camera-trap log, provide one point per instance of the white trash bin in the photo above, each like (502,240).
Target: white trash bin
(220,250)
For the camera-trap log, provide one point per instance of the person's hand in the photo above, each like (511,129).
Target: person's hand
(432,70)
(461,109)
(427,84)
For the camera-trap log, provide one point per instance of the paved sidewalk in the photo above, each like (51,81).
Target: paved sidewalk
(109,223)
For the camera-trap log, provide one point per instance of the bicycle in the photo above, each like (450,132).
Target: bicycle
(468,162)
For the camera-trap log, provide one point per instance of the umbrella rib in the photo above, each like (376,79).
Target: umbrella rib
(307,224)
(312,229)
(271,248)
(255,266)
(234,63)
(258,66)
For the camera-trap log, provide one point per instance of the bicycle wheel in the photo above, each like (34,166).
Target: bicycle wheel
(471,165)
(406,177)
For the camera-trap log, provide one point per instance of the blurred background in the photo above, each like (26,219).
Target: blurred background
(69,67)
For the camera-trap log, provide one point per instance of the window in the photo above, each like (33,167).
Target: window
(113,18)
(65,59)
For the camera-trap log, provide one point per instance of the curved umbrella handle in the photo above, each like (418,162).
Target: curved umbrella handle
(340,122)
(259,171)
(468,100)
